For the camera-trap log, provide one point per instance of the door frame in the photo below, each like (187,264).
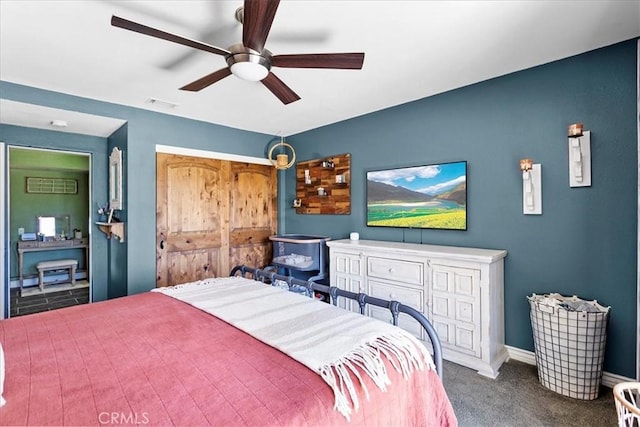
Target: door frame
(169,149)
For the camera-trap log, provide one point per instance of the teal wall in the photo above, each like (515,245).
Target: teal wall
(583,244)
(144,130)
(26,158)
(25,207)
(97,148)
(118,284)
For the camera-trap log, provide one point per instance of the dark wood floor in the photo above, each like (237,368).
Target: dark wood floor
(20,306)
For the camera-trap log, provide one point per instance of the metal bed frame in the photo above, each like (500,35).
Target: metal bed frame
(363,299)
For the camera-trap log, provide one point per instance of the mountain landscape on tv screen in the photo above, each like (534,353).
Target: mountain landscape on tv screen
(378,192)
(398,206)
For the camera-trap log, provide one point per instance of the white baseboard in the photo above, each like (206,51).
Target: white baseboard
(33,281)
(520,355)
(529,357)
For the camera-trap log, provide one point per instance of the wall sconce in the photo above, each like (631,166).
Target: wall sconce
(282,159)
(579,156)
(531,187)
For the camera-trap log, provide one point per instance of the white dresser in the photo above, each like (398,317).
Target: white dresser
(460,290)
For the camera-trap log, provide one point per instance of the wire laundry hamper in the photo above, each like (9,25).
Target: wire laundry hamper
(570,336)
(627,398)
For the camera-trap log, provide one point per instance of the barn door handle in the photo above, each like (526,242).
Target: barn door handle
(162,244)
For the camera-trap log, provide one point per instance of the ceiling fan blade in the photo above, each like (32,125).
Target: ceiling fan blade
(116,21)
(207,80)
(279,89)
(222,32)
(349,61)
(257,20)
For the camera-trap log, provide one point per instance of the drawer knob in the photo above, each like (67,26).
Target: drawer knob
(392,296)
(390,270)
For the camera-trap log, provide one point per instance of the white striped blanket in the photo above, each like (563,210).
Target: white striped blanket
(328,340)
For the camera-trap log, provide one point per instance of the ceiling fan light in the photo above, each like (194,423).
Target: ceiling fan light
(248,64)
(250,71)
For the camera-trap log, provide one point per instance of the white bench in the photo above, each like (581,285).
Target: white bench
(62,264)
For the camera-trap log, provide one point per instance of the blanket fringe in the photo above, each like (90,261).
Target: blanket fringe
(404,352)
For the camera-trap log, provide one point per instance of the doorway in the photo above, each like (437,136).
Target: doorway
(48,217)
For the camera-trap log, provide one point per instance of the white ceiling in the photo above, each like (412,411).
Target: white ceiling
(37,116)
(413,49)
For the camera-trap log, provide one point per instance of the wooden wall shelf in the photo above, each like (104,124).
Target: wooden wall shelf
(337,191)
(115,229)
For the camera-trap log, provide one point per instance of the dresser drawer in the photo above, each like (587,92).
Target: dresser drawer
(411,297)
(55,244)
(407,296)
(27,245)
(408,272)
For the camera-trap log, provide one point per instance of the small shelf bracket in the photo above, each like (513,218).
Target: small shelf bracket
(115,229)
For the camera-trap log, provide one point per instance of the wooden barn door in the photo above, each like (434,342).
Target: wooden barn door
(253,213)
(211,215)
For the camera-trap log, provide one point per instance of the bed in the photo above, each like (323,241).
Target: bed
(154,359)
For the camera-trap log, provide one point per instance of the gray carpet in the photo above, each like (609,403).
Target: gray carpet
(516,398)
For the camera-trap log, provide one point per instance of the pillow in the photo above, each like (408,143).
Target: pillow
(2,401)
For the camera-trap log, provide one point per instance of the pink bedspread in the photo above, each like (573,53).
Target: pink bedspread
(149,359)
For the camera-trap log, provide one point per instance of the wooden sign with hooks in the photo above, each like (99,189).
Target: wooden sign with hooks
(323,186)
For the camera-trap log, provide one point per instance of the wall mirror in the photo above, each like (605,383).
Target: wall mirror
(115,180)
(54,226)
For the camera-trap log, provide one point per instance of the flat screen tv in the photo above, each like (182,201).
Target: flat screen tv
(427,196)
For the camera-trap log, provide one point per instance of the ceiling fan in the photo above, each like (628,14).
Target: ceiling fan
(249,60)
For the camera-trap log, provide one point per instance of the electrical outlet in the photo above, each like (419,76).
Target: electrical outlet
(20,231)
